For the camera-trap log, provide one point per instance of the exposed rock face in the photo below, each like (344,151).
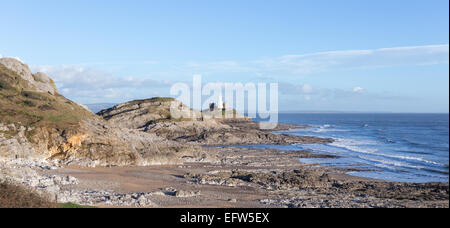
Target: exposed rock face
(38,82)
(30,174)
(95,143)
(18,67)
(141,113)
(17,145)
(271,180)
(225,132)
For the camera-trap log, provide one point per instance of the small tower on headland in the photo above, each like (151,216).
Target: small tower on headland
(220,105)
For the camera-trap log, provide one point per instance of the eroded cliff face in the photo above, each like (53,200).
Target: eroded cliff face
(38,123)
(95,144)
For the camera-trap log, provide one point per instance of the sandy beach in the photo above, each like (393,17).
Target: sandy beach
(245,178)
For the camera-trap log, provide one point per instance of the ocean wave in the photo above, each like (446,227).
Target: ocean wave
(355,146)
(406,149)
(323,129)
(390,163)
(416,159)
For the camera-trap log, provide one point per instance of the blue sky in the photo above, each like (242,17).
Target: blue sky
(349,55)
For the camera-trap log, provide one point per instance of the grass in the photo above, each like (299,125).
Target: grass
(73,205)
(154,99)
(19,104)
(162,99)
(15,196)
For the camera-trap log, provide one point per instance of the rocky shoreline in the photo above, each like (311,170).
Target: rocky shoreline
(230,177)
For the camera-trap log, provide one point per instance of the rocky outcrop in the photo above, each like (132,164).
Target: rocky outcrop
(154,116)
(63,189)
(107,145)
(271,180)
(38,82)
(14,143)
(225,132)
(94,143)
(141,113)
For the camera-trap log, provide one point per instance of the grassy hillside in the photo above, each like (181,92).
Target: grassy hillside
(19,104)
(15,196)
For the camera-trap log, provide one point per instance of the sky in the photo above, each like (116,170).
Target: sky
(326,55)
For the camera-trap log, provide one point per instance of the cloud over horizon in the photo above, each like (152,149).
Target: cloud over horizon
(357,59)
(77,81)
(88,85)
(334,60)
(351,59)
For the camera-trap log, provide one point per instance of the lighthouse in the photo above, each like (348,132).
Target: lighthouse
(220,103)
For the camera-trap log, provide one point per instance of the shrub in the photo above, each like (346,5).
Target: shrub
(14,196)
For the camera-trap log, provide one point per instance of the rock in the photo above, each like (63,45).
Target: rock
(25,172)
(18,67)
(186,194)
(224,132)
(271,181)
(141,113)
(38,82)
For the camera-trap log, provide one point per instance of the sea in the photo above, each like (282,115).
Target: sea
(395,147)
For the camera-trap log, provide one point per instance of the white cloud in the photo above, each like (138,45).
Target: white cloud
(354,59)
(358,89)
(82,78)
(310,93)
(333,60)
(95,86)
(86,82)
(292,89)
